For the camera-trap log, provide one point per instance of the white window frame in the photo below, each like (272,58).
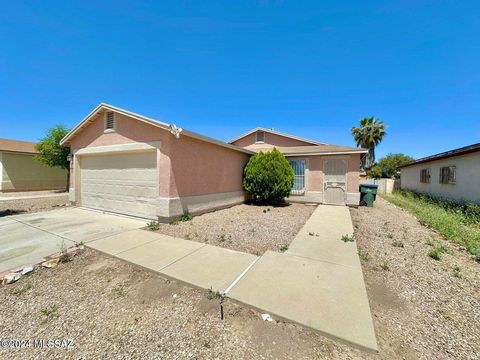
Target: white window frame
(256,137)
(105,122)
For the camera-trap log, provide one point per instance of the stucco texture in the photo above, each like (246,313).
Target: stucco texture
(466,188)
(187,166)
(20,172)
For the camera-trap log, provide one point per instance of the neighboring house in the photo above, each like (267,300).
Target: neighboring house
(20,172)
(453,174)
(131,164)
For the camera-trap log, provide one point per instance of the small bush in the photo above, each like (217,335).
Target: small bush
(50,313)
(153,225)
(284,248)
(268,177)
(214,294)
(385,266)
(457,272)
(22,289)
(185,216)
(347,238)
(364,256)
(437,251)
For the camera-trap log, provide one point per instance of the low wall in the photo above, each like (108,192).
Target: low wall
(385,186)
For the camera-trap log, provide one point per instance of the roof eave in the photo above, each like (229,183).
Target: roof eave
(327,153)
(276,133)
(106,106)
(150,121)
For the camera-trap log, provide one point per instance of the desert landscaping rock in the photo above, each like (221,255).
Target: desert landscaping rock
(111,309)
(248,228)
(46,200)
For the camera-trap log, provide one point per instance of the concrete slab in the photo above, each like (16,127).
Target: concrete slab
(326,297)
(210,267)
(28,238)
(127,240)
(160,253)
(327,224)
(6,221)
(22,245)
(79,224)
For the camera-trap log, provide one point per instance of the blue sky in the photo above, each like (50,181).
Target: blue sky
(312,69)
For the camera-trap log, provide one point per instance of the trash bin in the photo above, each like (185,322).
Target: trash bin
(368,193)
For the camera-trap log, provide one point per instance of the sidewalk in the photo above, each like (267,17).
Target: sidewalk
(317,283)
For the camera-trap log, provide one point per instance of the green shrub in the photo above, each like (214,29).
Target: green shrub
(153,225)
(268,177)
(185,216)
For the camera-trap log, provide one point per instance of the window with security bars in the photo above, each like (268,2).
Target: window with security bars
(425,176)
(298,167)
(448,175)
(109,120)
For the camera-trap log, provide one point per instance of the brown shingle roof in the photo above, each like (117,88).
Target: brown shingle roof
(17,146)
(316,150)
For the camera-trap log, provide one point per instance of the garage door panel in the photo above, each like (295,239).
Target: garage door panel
(125,183)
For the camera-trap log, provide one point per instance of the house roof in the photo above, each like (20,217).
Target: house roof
(320,150)
(447,154)
(313,142)
(156,123)
(17,146)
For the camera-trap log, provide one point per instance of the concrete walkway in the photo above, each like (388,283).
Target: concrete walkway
(318,282)
(194,263)
(28,238)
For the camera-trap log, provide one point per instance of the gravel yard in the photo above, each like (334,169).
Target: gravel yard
(422,308)
(41,203)
(113,310)
(249,228)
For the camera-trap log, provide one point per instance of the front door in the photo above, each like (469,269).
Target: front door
(334,181)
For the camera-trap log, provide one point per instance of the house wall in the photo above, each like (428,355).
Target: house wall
(20,172)
(194,175)
(314,178)
(467,187)
(271,140)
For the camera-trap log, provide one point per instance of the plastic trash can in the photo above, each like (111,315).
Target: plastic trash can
(368,194)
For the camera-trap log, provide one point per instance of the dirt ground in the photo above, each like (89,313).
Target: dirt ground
(248,228)
(111,309)
(422,308)
(20,206)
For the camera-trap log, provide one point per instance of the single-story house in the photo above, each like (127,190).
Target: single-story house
(20,172)
(452,174)
(128,163)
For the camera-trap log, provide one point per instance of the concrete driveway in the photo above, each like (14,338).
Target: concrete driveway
(28,238)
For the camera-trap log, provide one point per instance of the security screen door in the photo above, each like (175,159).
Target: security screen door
(334,181)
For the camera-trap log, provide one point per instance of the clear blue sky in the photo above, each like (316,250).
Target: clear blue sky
(220,68)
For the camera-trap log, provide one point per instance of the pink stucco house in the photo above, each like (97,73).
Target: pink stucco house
(131,164)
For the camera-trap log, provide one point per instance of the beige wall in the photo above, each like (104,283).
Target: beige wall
(271,140)
(20,172)
(467,185)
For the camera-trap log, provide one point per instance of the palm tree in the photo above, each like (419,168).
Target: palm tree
(368,135)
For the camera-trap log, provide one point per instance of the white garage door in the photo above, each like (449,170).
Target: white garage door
(125,183)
